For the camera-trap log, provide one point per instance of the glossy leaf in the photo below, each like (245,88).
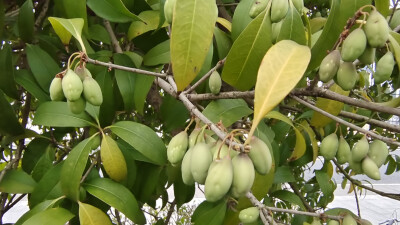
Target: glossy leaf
(17,181)
(394,39)
(210,213)
(90,215)
(7,80)
(160,54)
(241,18)
(317,23)
(289,197)
(226,110)
(39,208)
(383,6)
(54,216)
(225,23)
(311,134)
(151,20)
(73,26)
(112,10)
(143,139)
(33,151)
(192,32)
(125,81)
(282,67)
(99,33)
(117,196)
(57,114)
(324,182)
(107,109)
(73,9)
(223,42)
(26,21)
(173,113)
(293,28)
(247,51)
(142,88)
(284,174)
(9,124)
(27,81)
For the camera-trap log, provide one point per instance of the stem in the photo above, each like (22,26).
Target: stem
(114,41)
(170,211)
(357,203)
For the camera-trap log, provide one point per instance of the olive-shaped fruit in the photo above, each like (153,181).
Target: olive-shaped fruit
(77,106)
(329,66)
(378,152)
(169,10)
(257,7)
(370,168)
(72,86)
(344,153)
(347,76)
(333,222)
(187,176)
(354,45)
(56,91)
(276,29)
(219,179)
(376,29)
(223,150)
(92,91)
(195,137)
(214,83)
(82,72)
(360,149)
(368,56)
(355,166)
(260,155)
(177,148)
(329,146)
(200,162)
(316,222)
(113,160)
(249,215)
(395,20)
(384,68)
(243,175)
(279,9)
(349,220)
(299,5)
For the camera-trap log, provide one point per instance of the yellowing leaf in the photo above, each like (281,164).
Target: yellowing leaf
(311,135)
(90,215)
(73,26)
(113,160)
(152,19)
(192,31)
(225,23)
(280,70)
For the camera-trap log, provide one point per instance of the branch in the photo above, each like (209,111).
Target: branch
(170,211)
(42,14)
(222,95)
(298,193)
(114,41)
(388,126)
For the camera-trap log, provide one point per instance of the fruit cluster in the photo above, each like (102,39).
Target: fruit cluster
(212,163)
(363,158)
(279,8)
(77,87)
(360,44)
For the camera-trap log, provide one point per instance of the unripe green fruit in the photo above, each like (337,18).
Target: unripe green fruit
(354,45)
(96,142)
(82,72)
(177,148)
(360,150)
(187,176)
(368,57)
(260,155)
(56,92)
(329,66)
(279,9)
(200,162)
(333,222)
(299,5)
(395,20)
(215,83)
(365,222)
(195,137)
(223,151)
(169,10)
(370,169)
(376,29)
(343,154)
(219,179)
(347,76)
(355,166)
(113,160)
(316,222)
(276,29)
(329,146)
(384,68)
(243,175)
(257,7)
(249,215)
(77,106)
(349,220)
(92,91)
(378,152)
(72,86)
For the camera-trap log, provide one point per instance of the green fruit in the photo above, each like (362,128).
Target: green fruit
(349,220)
(276,29)
(360,150)
(333,222)
(113,160)
(92,91)
(257,7)
(219,179)
(96,142)
(249,215)
(177,148)
(316,222)
(215,83)
(187,176)
(343,154)
(395,20)
(279,9)
(195,137)
(370,168)
(384,68)
(347,76)
(329,66)
(354,45)
(376,29)
(378,152)
(82,72)
(200,162)
(223,151)
(365,222)
(77,106)
(368,56)
(243,175)
(355,166)
(72,86)
(299,5)
(169,10)
(329,146)
(260,155)
(56,91)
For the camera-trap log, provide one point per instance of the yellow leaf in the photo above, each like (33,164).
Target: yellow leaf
(113,159)
(90,215)
(225,23)
(281,69)
(62,33)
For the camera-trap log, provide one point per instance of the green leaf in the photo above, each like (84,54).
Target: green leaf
(9,124)
(143,139)
(117,196)
(324,182)
(57,114)
(26,21)
(226,110)
(142,87)
(283,174)
(311,134)
(247,51)
(394,39)
(317,23)
(289,197)
(54,216)
(112,10)
(223,42)
(44,163)
(151,20)
(293,28)
(90,215)
(33,151)
(73,168)
(39,208)
(383,6)
(125,80)
(281,69)
(158,55)
(42,65)
(107,109)
(391,166)
(17,181)
(330,106)
(73,26)
(99,33)
(7,82)
(73,9)
(183,193)
(192,31)
(27,81)
(173,113)
(241,18)
(210,213)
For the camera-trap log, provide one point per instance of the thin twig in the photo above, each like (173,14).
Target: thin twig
(114,40)
(298,193)
(42,14)
(117,217)
(382,124)
(357,203)
(221,95)
(393,11)
(170,211)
